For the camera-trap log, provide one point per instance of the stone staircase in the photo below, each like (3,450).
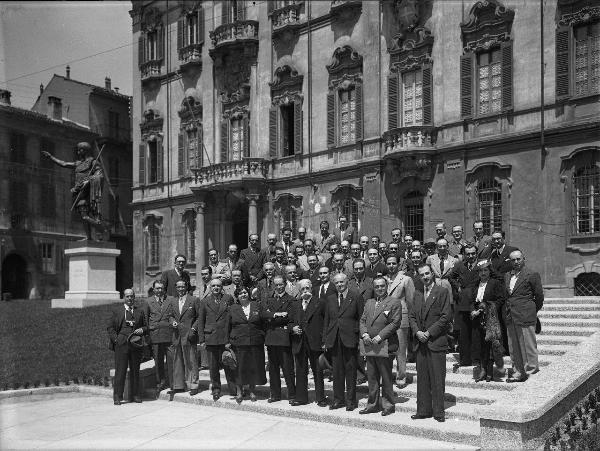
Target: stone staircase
(565,323)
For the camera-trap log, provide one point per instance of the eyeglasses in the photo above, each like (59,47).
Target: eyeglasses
(180,261)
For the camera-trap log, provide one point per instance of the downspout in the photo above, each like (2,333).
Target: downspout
(542,143)
(312,191)
(379,123)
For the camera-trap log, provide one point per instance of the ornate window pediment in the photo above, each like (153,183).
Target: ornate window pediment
(489,24)
(151,19)
(345,67)
(152,124)
(190,111)
(189,6)
(413,52)
(576,12)
(286,86)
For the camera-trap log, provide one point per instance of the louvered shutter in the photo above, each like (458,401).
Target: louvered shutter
(159,162)
(200,24)
(141,50)
(427,95)
(563,76)
(298,128)
(160,45)
(507,76)
(180,155)
(393,101)
(142,164)
(226,8)
(270,6)
(466,85)
(273,129)
(246,131)
(359,112)
(331,125)
(199,147)
(224,140)
(180,33)
(241,10)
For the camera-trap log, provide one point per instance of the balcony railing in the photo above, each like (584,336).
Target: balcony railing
(240,31)
(190,54)
(150,69)
(286,17)
(233,172)
(409,138)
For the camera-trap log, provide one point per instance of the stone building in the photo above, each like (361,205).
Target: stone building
(249,116)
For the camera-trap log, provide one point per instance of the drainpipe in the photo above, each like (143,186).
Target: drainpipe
(309,95)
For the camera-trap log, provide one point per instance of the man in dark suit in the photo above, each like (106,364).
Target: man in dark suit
(340,334)
(326,239)
(345,232)
(482,242)
(465,279)
(306,323)
(266,286)
(277,339)
(430,322)
(254,259)
(124,322)
(232,261)
(286,243)
(203,287)
(183,316)
(325,287)
(213,326)
(359,281)
(375,267)
(378,324)
(157,318)
(312,273)
(500,256)
(169,278)
(416,260)
(525,299)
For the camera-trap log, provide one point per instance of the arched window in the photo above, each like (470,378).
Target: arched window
(289,208)
(586,200)
(349,209)
(587,284)
(489,204)
(412,214)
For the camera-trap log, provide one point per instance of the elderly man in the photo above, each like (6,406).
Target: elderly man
(253,258)
(169,278)
(291,281)
(354,255)
(300,241)
(124,323)
(232,261)
(237,281)
(271,243)
(219,269)
(440,231)
(345,249)
(482,241)
(378,324)
(266,286)
(338,264)
(456,246)
(306,322)
(525,299)
(364,247)
(340,335)
(183,315)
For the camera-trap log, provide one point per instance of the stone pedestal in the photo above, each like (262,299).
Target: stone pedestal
(92,275)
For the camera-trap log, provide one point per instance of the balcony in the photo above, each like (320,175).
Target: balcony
(345,8)
(242,34)
(231,174)
(150,70)
(406,139)
(190,56)
(287,18)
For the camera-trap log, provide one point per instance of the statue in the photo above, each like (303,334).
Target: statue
(87,192)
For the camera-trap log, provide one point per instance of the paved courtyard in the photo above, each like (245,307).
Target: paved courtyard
(79,421)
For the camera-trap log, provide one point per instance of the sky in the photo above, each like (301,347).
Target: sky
(39,39)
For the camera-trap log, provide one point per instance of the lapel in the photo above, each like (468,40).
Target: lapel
(210,301)
(488,289)
(395,283)
(120,318)
(377,311)
(430,300)
(310,310)
(186,304)
(345,304)
(520,279)
(222,307)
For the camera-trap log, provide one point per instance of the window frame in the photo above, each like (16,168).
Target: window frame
(490,186)
(593,196)
(226,154)
(349,208)
(47,257)
(414,199)
(153,246)
(189,235)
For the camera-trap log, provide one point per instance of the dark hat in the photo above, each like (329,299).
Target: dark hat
(136,341)
(324,362)
(229,359)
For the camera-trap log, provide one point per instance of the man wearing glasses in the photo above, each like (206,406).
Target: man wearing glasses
(172,276)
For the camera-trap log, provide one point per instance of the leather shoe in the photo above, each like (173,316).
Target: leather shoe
(193,391)
(323,403)
(137,399)
(216,396)
(298,403)
(350,408)
(271,399)
(337,405)
(419,417)
(386,412)
(516,379)
(368,410)
(117,402)
(439,419)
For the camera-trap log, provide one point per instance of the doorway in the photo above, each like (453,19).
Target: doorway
(240,226)
(15,279)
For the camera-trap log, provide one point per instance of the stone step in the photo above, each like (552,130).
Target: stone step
(544,361)
(466,380)
(571,322)
(549,329)
(455,429)
(572,300)
(589,314)
(571,307)
(565,340)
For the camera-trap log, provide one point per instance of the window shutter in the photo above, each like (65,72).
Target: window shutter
(393,101)
(298,127)
(270,6)
(466,85)
(160,45)
(225,18)
(142,164)
(331,125)
(273,129)
(241,10)
(141,50)
(199,147)
(180,155)
(180,33)
(359,112)
(224,140)
(507,76)
(427,95)
(246,131)
(159,162)
(200,25)
(563,39)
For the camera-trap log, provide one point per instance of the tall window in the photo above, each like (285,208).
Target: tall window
(489,204)
(189,235)
(47,255)
(233,10)
(18,148)
(47,182)
(153,162)
(190,29)
(113,124)
(489,82)
(287,130)
(412,98)
(152,45)
(153,245)
(586,200)
(348,116)
(413,215)
(349,208)
(189,151)
(285,114)
(237,139)
(289,218)
(587,59)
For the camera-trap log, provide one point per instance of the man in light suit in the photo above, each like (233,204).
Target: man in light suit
(482,241)
(378,323)
(169,278)
(203,288)
(525,299)
(442,262)
(183,315)
(218,268)
(157,318)
(266,285)
(345,232)
(429,322)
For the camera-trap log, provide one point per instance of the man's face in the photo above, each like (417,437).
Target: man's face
(232,252)
(396,235)
(302,233)
(306,292)
(338,261)
(299,251)
(129,296)
(324,229)
(497,240)
(470,255)
(380,288)
(375,241)
(440,231)
(393,249)
(478,229)
(269,271)
(426,275)
(334,248)
(416,245)
(430,248)
(457,233)
(442,247)
(213,257)
(279,285)
(343,221)
(323,274)
(341,283)
(359,270)
(287,236)
(355,250)
(279,256)
(313,262)
(181,288)
(291,258)
(408,240)
(517,260)
(373,255)
(159,290)
(253,240)
(180,263)
(271,239)
(383,249)
(205,275)
(308,247)
(216,286)
(290,273)
(392,265)
(345,246)
(415,257)
(236,277)
(364,243)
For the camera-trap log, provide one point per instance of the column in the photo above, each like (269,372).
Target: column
(252,214)
(200,236)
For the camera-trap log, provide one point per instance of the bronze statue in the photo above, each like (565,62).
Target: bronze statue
(87,192)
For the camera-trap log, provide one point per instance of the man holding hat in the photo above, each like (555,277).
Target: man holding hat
(125,328)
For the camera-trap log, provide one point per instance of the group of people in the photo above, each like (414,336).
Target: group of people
(355,306)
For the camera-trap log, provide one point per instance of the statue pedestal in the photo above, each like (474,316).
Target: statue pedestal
(92,275)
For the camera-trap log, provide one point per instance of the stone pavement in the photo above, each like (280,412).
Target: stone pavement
(80,421)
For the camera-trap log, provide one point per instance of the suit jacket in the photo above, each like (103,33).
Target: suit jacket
(213,320)
(230,266)
(116,320)
(403,289)
(202,290)
(494,293)
(253,262)
(501,263)
(383,321)
(311,323)
(374,271)
(329,290)
(432,315)
(324,243)
(464,285)
(264,291)
(291,247)
(157,318)
(526,298)
(170,277)
(364,287)
(342,320)
(456,248)
(349,234)
(246,331)
(312,275)
(221,271)
(277,332)
(434,262)
(484,246)
(186,320)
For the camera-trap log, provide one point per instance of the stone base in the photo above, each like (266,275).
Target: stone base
(82,302)
(558,291)
(147,381)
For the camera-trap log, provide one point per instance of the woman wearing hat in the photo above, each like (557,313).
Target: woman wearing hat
(247,338)
(487,335)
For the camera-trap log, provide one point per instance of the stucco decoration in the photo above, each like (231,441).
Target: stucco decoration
(489,24)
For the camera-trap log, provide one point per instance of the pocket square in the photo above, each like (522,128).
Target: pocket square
(386,312)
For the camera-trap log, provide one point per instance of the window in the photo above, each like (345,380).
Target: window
(586,200)
(153,154)
(587,284)
(113,124)
(348,116)
(285,115)
(150,45)
(489,82)
(289,218)
(235,138)
(151,165)
(413,215)
(190,28)
(233,10)
(189,235)
(47,255)
(489,204)
(412,98)
(349,209)
(189,153)
(587,59)
(47,182)
(153,245)
(18,148)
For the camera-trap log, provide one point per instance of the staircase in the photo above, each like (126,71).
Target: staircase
(565,323)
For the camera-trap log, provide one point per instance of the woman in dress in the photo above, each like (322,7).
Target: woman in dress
(247,337)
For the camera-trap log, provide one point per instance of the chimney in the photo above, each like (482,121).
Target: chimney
(4,97)
(55,107)
(107,83)
(68,71)
(41,88)
(116,90)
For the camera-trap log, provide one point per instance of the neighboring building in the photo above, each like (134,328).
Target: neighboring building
(249,116)
(36,222)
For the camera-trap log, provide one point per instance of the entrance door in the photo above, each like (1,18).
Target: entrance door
(240,226)
(14,276)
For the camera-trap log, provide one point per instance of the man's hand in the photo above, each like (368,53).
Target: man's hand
(139,331)
(297,330)
(376,339)
(474,313)
(366,339)
(253,278)
(46,154)
(228,346)
(202,345)
(279,314)
(421,336)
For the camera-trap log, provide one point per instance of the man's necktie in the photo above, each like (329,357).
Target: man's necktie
(322,292)
(441,265)
(340,299)
(377,302)
(304,304)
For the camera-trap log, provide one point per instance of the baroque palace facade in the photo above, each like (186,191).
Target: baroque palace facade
(252,115)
